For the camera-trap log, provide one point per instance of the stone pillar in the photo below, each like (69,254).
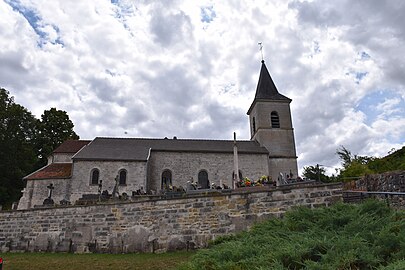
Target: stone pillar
(235,162)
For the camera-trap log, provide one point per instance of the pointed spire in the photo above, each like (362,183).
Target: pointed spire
(266,89)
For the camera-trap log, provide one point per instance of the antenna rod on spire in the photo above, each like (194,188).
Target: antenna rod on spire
(261,49)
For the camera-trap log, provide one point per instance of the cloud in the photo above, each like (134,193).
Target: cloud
(389,107)
(186,69)
(170,28)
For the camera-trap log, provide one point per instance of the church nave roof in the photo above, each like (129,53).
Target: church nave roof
(137,149)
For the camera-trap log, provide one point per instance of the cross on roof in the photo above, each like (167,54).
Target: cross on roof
(261,49)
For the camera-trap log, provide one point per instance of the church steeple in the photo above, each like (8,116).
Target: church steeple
(266,89)
(271,125)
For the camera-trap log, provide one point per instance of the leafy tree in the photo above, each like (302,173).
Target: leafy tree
(316,173)
(54,128)
(25,143)
(355,169)
(17,156)
(356,166)
(353,165)
(344,155)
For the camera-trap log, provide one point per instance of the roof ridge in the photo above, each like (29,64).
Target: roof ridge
(70,146)
(161,139)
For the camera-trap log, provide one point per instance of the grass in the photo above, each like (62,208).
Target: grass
(344,236)
(56,261)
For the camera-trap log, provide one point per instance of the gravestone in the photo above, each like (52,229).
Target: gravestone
(115,192)
(49,200)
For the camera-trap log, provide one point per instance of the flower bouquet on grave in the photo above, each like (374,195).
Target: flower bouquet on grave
(263,179)
(240,183)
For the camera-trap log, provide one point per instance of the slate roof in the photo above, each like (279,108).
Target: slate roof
(53,170)
(137,149)
(266,89)
(71,146)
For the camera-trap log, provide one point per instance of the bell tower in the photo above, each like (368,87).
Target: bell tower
(271,126)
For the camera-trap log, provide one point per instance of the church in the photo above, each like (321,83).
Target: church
(80,167)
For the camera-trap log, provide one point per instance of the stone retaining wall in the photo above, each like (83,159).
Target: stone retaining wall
(153,225)
(384,182)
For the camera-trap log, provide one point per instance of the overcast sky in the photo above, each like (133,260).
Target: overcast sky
(178,68)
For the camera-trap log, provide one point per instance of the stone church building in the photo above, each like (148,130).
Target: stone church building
(77,167)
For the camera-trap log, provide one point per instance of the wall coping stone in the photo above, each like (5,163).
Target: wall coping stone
(156,198)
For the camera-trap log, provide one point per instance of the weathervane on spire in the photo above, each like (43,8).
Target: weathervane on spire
(261,48)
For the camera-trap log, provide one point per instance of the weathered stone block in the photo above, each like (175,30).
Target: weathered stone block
(198,205)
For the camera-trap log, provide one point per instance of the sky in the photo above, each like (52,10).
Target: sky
(190,68)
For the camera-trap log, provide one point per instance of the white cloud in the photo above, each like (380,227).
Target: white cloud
(189,69)
(388,107)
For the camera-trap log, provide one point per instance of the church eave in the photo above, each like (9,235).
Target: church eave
(52,171)
(256,152)
(108,159)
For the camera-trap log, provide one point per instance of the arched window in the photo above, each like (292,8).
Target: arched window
(166,179)
(275,120)
(123,177)
(95,175)
(254,125)
(203,179)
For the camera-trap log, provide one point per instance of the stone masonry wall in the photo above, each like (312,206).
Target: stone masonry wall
(80,182)
(284,166)
(219,166)
(389,182)
(153,225)
(36,192)
(384,182)
(60,157)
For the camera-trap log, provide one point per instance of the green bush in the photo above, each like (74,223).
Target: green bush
(344,236)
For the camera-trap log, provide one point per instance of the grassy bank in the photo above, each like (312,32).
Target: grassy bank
(56,261)
(344,236)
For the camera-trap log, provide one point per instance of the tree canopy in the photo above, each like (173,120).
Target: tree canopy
(316,173)
(356,166)
(25,143)
(17,156)
(54,128)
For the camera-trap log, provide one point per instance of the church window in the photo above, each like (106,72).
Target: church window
(95,175)
(166,179)
(254,125)
(123,177)
(275,120)
(203,179)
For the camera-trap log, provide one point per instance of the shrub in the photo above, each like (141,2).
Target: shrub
(344,236)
